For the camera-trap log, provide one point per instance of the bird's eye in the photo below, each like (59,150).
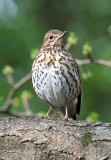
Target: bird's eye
(51,37)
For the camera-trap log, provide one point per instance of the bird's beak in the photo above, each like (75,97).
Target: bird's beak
(61,35)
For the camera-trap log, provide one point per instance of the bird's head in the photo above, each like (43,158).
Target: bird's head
(54,38)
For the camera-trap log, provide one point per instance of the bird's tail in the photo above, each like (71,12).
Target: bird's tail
(72,109)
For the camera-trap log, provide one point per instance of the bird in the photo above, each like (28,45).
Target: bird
(55,76)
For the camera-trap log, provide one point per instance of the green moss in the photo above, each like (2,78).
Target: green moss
(86,139)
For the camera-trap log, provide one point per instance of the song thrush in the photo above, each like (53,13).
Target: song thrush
(55,76)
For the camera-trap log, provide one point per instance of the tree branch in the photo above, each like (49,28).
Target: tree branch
(97,61)
(41,139)
(15,87)
(23,81)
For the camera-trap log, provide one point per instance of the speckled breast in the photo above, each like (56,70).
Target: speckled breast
(55,78)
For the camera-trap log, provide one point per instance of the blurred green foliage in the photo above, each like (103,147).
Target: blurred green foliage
(93,116)
(22,27)
(87,48)
(7,70)
(72,39)
(34,53)
(17,102)
(26,94)
(86,75)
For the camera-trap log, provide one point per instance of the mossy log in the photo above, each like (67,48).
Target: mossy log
(53,139)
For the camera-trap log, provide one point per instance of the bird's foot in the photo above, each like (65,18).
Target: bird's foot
(47,116)
(70,119)
(48,113)
(66,118)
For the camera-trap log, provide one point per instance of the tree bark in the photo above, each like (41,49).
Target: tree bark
(53,139)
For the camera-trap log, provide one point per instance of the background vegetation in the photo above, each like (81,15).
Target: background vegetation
(22,27)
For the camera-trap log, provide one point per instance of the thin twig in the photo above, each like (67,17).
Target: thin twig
(97,61)
(11,94)
(23,81)
(90,59)
(68,46)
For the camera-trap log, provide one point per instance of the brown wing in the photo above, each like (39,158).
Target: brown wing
(78,107)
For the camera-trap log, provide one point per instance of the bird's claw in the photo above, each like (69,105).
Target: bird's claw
(45,117)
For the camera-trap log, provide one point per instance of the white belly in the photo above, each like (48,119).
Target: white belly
(51,86)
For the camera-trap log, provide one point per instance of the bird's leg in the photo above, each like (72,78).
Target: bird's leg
(66,115)
(48,113)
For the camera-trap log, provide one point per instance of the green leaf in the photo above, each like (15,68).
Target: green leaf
(87,75)
(34,53)
(26,94)
(93,116)
(16,101)
(72,39)
(7,70)
(87,48)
